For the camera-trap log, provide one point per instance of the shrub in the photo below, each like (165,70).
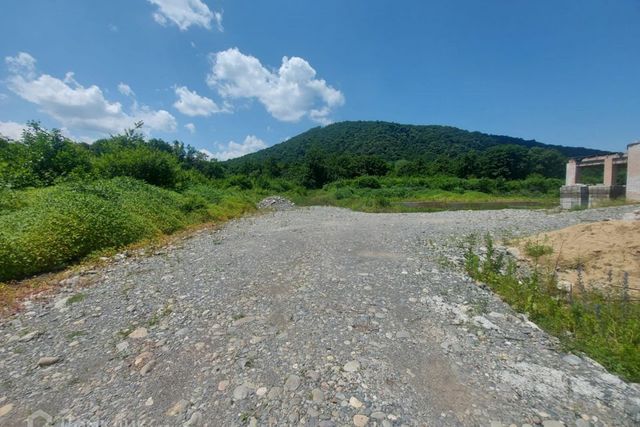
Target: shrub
(66,222)
(152,166)
(367,182)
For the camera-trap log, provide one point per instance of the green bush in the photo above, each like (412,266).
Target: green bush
(143,163)
(367,182)
(64,223)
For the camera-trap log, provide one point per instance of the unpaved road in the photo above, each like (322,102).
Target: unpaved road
(315,316)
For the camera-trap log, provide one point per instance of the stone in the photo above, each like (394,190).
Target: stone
(352,366)
(240,392)
(355,403)
(194,420)
(122,347)
(147,368)
(572,359)
(4,410)
(28,337)
(378,415)
(222,385)
(360,420)
(261,391)
(485,323)
(142,358)
(292,383)
(274,393)
(178,408)
(552,423)
(139,333)
(149,402)
(48,361)
(317,395)
(582,423)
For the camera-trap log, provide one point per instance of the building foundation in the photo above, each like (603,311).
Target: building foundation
(574,196)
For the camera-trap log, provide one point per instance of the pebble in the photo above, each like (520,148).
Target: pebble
(178,408)
(240,392)
(139,333)
(355,403)
(351,366)
(292,383)
(4,410)
(360,420)
(48,361)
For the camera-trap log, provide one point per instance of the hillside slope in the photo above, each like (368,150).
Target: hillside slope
(393,141)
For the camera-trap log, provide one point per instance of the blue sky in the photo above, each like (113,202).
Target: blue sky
(232,76)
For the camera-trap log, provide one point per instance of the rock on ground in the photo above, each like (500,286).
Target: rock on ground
(317,316)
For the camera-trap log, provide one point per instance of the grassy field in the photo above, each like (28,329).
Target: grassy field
(370,194)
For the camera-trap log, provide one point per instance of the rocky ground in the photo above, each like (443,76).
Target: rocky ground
(315,316)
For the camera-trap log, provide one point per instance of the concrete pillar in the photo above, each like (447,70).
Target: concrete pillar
(610,171)
(574,196)
(633,172)
(573,173)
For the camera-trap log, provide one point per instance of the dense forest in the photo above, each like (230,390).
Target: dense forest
(351,149)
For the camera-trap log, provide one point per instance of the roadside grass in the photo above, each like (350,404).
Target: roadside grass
(47,229)
(605,327)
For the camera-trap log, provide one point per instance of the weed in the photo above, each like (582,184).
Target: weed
(76,298)
(605,328)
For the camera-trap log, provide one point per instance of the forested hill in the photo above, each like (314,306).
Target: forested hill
(391,142)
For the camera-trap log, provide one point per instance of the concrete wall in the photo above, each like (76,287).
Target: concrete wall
(633,172)
(574,196)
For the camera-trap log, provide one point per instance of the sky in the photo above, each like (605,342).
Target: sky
(234,76)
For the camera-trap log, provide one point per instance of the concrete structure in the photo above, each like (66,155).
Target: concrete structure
(573,194)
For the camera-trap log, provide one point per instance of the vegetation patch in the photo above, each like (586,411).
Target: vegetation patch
(605,326)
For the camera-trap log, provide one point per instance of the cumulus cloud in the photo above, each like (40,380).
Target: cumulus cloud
(191,104)
(289,93)
(185,13)
(233,149)
(207,153)
(11,130)
(191,128)
(125,89)
(76,106)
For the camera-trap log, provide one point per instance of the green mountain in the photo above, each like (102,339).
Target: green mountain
(393,141)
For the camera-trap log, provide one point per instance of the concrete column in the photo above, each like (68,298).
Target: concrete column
(633,172)
(610,171)
(573,173)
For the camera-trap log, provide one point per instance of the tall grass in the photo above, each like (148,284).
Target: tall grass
(605,327)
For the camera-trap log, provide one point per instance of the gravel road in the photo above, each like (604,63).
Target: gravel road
(311,316)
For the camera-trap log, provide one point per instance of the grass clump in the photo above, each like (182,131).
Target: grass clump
(603,326)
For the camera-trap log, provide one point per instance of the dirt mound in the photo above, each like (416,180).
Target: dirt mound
(603,250)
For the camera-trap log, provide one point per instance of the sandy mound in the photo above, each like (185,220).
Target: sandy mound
(605,250)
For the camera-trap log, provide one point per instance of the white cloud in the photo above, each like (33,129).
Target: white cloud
(191,128)
(207,153)
(289,94)
(233,149)
(191,104)
(217,16)
(11,130)
(125,89)
(78,107)
(185,13)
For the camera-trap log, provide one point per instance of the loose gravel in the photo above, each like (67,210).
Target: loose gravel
(316,316)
